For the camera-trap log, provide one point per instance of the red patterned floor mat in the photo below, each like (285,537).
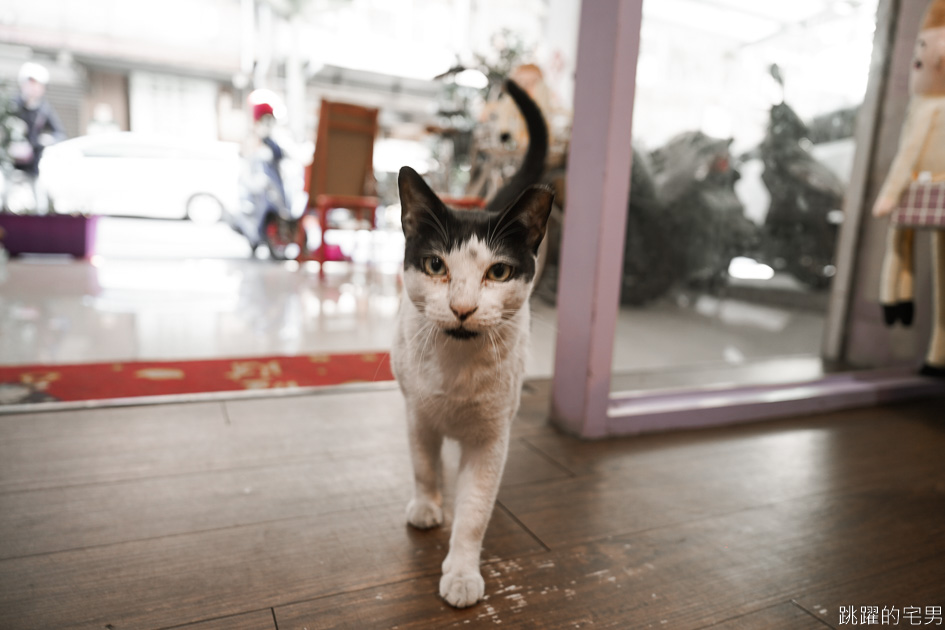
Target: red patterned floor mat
(98,381)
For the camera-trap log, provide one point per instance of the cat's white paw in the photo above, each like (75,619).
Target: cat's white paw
(424,514)
(462,589)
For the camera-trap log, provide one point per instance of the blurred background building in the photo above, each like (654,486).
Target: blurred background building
(184,67)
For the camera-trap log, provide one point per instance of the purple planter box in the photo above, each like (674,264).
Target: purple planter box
(48,234)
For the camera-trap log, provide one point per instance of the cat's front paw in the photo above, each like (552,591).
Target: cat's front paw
(461,589)
(424,514)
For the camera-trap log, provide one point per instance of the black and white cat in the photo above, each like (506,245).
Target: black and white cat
(461,341)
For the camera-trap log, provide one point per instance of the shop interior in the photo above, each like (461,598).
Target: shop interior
(167,290)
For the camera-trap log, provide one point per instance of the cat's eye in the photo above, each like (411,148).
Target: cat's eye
(499,272)
(434,266)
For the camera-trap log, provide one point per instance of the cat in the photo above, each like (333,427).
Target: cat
(460,343)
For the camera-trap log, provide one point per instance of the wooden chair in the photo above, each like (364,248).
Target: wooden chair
(342,171)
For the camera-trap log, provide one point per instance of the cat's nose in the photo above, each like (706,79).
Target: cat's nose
(462,313)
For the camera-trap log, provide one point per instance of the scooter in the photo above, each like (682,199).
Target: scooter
(272,203)
(17,193)
(799,233)
(650,257)
(684,222)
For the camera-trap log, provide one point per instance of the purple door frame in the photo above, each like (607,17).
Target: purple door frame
(598,184)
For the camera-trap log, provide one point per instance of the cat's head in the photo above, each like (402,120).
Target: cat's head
(469,271)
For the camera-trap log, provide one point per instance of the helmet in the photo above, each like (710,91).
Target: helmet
(263,101)
(261,109)
(34,71)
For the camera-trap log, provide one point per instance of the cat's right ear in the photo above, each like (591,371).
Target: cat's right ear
(416,200)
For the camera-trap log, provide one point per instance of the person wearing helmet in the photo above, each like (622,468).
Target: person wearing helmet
(41,126)
(262,189)
(264,119)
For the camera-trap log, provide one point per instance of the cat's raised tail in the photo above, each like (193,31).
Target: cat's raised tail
(533,166)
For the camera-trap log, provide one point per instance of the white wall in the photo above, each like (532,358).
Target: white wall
(173,106)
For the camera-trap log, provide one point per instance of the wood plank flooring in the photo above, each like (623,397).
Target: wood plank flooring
(288,513)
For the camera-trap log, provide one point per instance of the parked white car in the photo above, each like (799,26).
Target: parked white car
(128,174)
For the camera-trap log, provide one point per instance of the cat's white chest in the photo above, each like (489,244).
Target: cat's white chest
(459,382)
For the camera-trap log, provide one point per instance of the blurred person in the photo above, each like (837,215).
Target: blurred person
(262,190)
(41,127)
(269,153)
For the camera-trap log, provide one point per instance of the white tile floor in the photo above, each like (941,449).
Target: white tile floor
(174,290)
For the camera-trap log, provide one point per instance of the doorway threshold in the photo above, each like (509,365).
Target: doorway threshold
(716,402)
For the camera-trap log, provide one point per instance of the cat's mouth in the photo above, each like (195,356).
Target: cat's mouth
(461,333)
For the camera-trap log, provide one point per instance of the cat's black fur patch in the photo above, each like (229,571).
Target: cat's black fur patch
(512,226)
(433,229)
(461,333)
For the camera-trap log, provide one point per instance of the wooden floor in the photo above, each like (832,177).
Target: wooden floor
(288,513)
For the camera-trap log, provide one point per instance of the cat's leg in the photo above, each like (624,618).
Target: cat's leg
(425,509)
(476,488)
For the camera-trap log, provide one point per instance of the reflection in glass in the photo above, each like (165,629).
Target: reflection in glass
(743,145)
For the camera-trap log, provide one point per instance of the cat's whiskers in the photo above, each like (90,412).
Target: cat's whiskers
(490,240)
(503,347)
(507,343)
(543,320)
(430,331)
(500,222)
(437,223)
(497,234)
(416,336)
(508,313)
(495,353)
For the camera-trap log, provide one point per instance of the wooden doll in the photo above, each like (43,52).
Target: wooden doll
(919,165)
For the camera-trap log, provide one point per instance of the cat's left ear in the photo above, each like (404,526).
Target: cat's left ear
(417,201)
(532,209)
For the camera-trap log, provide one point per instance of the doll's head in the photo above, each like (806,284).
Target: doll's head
(928,65)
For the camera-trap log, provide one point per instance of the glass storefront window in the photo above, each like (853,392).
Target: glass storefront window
(743,146)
